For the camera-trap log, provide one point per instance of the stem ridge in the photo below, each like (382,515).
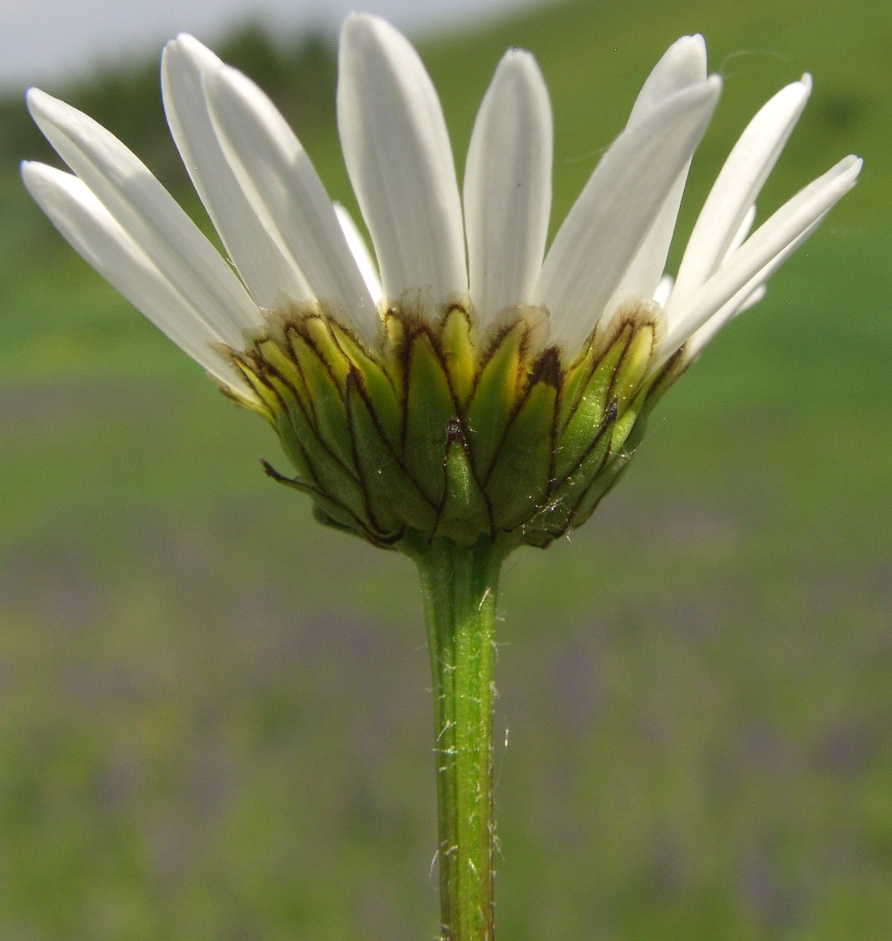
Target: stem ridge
(459,585)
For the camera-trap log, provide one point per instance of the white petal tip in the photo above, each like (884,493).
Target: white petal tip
(516,55)
(45,182)
(693,45)
(187,41)
(798,91)
(713,84)
(753,299)
(687,56)
(34,174)
(359,25)
(847,171)
(171,48)
(39,102)
(187,47)
(520,66)
(363,32)
(31,175)
(47,111)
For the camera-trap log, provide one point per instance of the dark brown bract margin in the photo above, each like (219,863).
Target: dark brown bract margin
(439,431)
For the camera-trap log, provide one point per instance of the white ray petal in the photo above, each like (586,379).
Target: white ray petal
(736,188)
(644,273)
(400,162)
(269,275)
(741,234)
(663,290)
(149,215)
(284,188)
(749,295)
(507,187)
(754,297)
(89,228)
(361,254)
(605,228)
(763,248)
(683,64)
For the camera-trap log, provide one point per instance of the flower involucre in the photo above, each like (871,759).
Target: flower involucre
(461,383)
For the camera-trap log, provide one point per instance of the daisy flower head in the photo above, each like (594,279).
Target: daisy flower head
(459,380)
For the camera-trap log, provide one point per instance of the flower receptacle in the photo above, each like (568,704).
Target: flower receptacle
(439,432)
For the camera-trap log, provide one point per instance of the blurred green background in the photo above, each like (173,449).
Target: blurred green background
(214,717)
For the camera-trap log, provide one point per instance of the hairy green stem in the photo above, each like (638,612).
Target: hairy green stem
(459,585)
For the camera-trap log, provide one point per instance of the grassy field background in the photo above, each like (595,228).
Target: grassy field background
(214,718)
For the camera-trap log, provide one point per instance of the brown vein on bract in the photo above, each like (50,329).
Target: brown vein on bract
(555,379)
(236,398)
(327,367)
(545,369)
(259,368)
(411,321)
(551,504)
(609,418)
(665,373)
(307,337)
(267,367)
(364,350)
(668,375)
(327,370)
(354,379)
(610,414)
(552,434)
(459,433)
(635,326)
(602,464)
(437,344)
(448,309)
(491,349)
(363,489)
(287,411)
(319,492)
(455,431)
(414,324)
(403,358)
(288,352)
(615,336)
(583,382)
(608,342)
(479,366)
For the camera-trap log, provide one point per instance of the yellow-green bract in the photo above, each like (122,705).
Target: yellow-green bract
(438,431)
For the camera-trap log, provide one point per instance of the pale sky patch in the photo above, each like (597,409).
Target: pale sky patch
(45,39)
